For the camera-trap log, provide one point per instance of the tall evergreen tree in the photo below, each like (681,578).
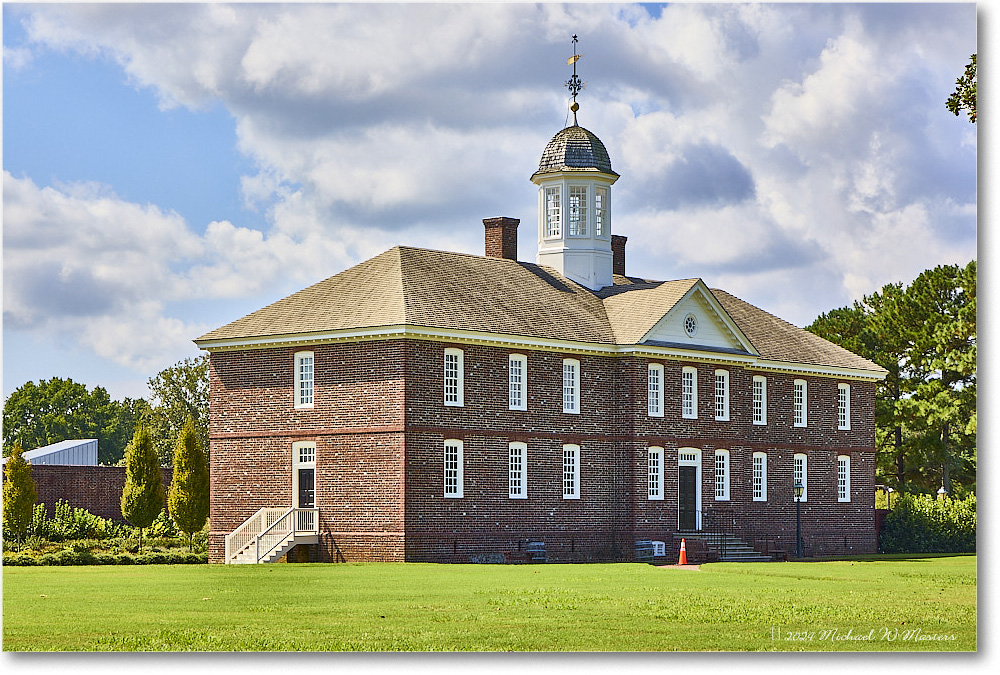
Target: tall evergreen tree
(189,489)
(142,496)
(18,494)
(180,394)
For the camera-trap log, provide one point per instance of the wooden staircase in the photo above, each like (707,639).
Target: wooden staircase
(270,533)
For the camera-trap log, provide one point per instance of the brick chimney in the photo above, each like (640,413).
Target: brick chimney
(501,237)
(618,254)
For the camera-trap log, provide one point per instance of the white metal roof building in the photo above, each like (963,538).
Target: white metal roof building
(79,452)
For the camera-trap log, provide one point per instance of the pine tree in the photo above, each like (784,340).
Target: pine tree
(18,494)
(142,496)
(189,489)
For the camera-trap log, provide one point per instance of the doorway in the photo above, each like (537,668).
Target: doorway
(688,492)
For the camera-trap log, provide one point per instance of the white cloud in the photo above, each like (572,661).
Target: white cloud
(373,125)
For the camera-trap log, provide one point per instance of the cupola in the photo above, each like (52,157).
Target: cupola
(574,180)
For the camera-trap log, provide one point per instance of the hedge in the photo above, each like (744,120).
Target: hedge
(924,524)
(71,557)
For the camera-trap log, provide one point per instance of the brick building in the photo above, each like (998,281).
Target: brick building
(435,406)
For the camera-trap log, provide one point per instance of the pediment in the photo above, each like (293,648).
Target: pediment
(698,321)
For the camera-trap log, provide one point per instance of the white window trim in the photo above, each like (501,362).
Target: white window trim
(654,397)
(693,414)
(724,417)
(724,454)
(762,497)
(605,230)
(297,464)
(299,357)
(460,377)
(844,461)
(763,401)
(522,385)
(654,473)
(520,450)
(458,448)
(845,391)
(575,476)
(805,474)
(550,232)
(585,209)
(805,404)
(574,407)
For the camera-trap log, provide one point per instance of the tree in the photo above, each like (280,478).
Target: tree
(142,496)
(180,393)
(964,96)
(18,494)
(189,489)
(60,409)
(924,335)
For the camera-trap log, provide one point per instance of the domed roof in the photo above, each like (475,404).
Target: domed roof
(575,149)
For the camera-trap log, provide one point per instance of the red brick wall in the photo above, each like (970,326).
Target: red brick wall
(380,459)
(356,423)
(97,489)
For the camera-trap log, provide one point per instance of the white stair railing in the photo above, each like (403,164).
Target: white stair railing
(269,529)
(246,534)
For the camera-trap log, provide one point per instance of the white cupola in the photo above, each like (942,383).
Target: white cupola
(574,180)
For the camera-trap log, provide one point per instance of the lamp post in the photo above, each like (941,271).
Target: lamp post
(798,518)
(888,498)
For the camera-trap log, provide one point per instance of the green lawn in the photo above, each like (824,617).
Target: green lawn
(621,607)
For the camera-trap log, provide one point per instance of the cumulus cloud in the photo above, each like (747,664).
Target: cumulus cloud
(763,147)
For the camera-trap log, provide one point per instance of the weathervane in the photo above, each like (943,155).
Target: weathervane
(574,84)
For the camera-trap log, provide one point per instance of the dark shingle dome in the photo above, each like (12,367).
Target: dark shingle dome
(575,149)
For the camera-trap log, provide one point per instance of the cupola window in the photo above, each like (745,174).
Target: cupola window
(578,210)
(553,212)
(601,212)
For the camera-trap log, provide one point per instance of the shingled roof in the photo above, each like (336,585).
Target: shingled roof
(435,289)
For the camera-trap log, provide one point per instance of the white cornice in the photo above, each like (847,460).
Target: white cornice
(401,331)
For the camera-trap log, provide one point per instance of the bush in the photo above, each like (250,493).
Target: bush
(68,556)
(923,524)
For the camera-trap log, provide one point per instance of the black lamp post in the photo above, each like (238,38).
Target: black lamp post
(799,488)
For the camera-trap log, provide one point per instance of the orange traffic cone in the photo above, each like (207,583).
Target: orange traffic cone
(683,559)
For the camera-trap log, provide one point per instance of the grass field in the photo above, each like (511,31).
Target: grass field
(926,604)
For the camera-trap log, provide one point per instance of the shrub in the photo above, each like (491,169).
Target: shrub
(923,524)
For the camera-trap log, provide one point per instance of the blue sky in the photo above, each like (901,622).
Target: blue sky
(170,168)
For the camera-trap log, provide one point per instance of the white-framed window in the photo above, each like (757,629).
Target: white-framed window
(801,473)
(759,477)
(571,386)
(689,392)
(843,478)
(654,463)
(454,377)
(518,471)
(304,379)
(843,406)
(553,212)
(601,212)
(454,480)
(799,403)
(722,395)
(654,387)
(571,471)
(577,210)
(722,475)
(304,474)
(759,399)
(517,379)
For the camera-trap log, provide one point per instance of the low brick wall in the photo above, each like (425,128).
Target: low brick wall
(97,489)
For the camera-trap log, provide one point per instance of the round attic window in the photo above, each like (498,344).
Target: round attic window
(691,325)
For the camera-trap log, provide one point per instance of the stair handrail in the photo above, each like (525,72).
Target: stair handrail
(291,514)
(246,534)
